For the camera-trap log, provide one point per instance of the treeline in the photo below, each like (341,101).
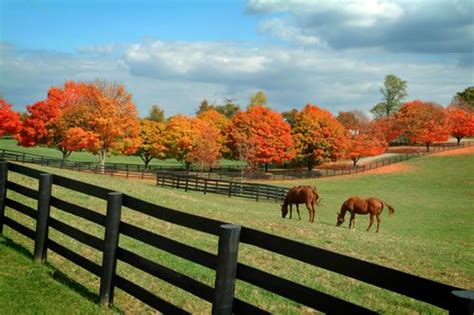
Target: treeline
(101,118)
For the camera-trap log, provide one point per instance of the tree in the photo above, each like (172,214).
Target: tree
(354,121)
(318,136)
(465,99)
(9,119)
(108,113)
(204,107)
(178,137)
(366,143)
(229,109)
(423,122)
(461,122)
(45,123)
(156,114)
(221,122)
(258,99)
(393,92)
(260,135)
(151,144)
(290,116)
(206,149)
(387,128)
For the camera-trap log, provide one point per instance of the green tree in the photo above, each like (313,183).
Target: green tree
(156,114)
(229,109)
(258,99)
(204,107)
(465,99)
(393,92)
(290,116)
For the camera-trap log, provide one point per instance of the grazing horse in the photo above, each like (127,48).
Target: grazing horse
(356,205)
(297,195)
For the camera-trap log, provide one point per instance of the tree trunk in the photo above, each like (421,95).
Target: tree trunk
(459,140)
(428,147)
(102,155)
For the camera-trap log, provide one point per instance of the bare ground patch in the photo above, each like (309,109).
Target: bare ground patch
(461,151)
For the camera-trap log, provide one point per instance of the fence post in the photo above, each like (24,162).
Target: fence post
(42,221)
(205,186)
(186,184)
(3,191)
(258,192)
(464,302)
(229,236)
(109,260)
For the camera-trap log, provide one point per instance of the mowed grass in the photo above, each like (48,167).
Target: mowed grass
(30,288)
(430,234)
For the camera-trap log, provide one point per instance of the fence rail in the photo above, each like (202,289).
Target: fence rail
(227,267)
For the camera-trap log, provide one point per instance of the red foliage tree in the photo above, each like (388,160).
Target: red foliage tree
(318,136)
(260,135)
(9,120)
(423,122)
(461,122)
(206,149)
(45,124)
(368,143)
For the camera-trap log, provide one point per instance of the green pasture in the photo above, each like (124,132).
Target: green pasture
(31,288)
(430,234)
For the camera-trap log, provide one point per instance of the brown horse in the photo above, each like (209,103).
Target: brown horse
(297,195)
(356,205)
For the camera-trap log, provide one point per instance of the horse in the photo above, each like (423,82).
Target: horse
(356,205)
(297,195)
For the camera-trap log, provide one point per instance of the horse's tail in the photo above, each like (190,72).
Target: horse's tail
(391,210)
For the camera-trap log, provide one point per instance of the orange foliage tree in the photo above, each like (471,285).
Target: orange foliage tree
(387,128)
(318,136)
(45,125)
(260,135)
(221,122)
(9,119)
(106,113)
(206,149)
(365,144)
(461,122)
(151,144)
(187,141)
(423,122)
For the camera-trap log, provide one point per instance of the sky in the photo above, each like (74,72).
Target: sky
(334,54)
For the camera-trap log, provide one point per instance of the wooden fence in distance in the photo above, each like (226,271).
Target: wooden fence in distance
(226,264)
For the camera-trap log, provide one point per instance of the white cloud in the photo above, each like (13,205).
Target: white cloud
(178,75)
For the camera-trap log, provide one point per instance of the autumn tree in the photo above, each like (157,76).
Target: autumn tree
(156,114)
(318,136)
(222,124)
(151,141)
(108,113)
(258,99)
(45,123)
(354,121)
(206,146)
(367,142)
(423,122)
(393,92)
(387,128)
(9,119)
(465,99)
(460,122)
(267,133)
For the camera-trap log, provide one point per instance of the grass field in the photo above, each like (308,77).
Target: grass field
(429,235)
(30,288)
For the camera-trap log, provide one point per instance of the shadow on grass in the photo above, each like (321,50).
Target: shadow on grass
(57,275)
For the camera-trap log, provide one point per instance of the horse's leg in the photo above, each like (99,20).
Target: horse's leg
(378,222)
(291,210)
(371,221)
(313,210)
(352,221)
(308,206)
(298,210)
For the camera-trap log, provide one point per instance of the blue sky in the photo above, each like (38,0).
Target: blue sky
(175,53)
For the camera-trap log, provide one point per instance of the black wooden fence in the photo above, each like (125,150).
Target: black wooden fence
(224,187)
(227,267)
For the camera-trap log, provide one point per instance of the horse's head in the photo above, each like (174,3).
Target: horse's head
(284,210)
(340,219)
